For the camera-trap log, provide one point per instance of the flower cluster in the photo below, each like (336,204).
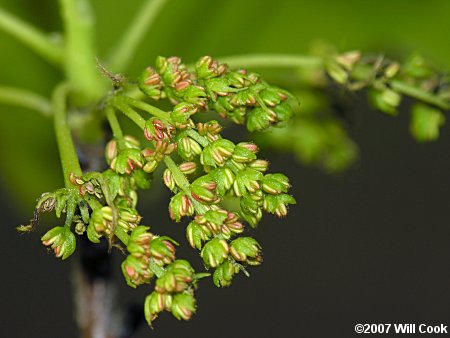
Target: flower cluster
(213,171)
(173,292)
(238,95)
(386,80)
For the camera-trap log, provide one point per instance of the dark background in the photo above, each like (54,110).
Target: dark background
(366,246)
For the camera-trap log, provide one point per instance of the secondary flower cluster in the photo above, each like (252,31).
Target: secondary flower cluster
(238,95)
(103,204)
(386,80)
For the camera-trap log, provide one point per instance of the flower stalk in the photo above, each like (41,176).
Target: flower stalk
(67,153)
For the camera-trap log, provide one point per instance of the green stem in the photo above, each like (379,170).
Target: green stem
(152,110)
(25,98)
(80,56)
(128,111)
(32,37)
(67,153)
(302,61)
(203,141)
(114,124)
(419,94)
(125,50)
(178,176)
(183,183)
(93,202)
(273,60)
(122,235)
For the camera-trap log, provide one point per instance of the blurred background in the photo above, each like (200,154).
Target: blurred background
(368,241)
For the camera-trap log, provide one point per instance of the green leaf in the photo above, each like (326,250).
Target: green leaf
(425,122)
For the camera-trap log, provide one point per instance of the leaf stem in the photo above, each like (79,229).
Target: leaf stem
(152,110)
(129,112)
(122,235)
(25,98)
(32,37)
(114,124)
(419,94)
(303,61)
(203,141)
(67,153)
(125,50)
(80,55)
(273,60)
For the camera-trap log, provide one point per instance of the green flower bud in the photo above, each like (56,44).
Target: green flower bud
(207,68)
(219,86)
(211,128)
(216,217)
(166,283)
(245,152)
(425,122)
(246,249)
(392,70)
(417,67)
(348,59)
(183,306)
(195,234)
(61,240)
(271,96)
(169,68)
(275,183)
(203,195)
(260,165)
(215,153)
(156,130)
(247,181)
(150,83)
(188,167)
(188,148)
(214,252)
(283,111)
(179,206)
(182,112)
(169,180)
(129,215)
(258,119)
(250,205)
(149,154)
(247,97)
(127,161)
(224,179)
(154,304)
(238,79)
(203,189)
(192,94)
(277,204)
(337,72)
(223,275)
(176,277)
(139,242)
(182,270)
(386,100)
(136,271)
(110,151)
(80,228)
(250,218)
(162,250)
(150,166)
